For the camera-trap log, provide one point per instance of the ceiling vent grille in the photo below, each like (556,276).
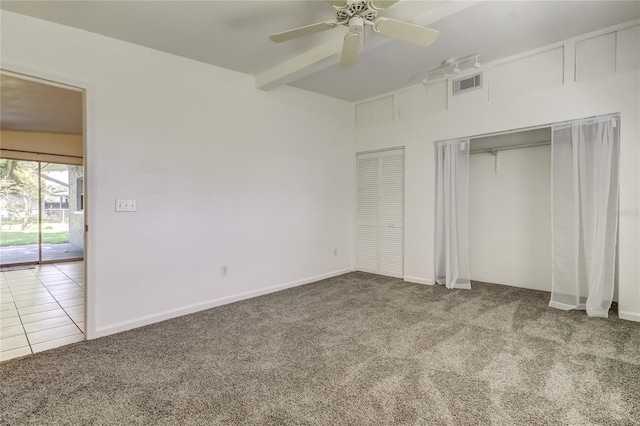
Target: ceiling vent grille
(466,84)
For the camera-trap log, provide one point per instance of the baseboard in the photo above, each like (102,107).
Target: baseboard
(173,313)
(417,280)
(629,316)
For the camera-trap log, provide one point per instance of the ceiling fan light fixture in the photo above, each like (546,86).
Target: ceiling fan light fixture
(356,24)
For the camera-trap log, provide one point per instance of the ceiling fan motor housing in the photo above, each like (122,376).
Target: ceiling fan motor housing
(353,9)
(357,6)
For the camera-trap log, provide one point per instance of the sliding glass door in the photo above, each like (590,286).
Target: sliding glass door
(41,212)
(19,211)
(62,226)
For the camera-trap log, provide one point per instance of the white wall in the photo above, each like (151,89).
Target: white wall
(547,101)
(510,218)
(222,173)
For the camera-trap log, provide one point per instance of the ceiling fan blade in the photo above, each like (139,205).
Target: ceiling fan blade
(383,4)
(302,31)
(350,50)
(405,31)
(337,3)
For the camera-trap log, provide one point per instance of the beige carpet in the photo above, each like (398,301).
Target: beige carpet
(358,349)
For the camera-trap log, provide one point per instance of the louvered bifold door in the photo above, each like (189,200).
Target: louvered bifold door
(367,217)
(380,213)
(391,229)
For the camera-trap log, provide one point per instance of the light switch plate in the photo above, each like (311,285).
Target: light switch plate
(127,205)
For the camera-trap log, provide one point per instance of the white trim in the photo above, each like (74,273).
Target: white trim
(606,30)
(45,81)
(368,271)
(629,316)
(559,44)
(51,79)
(389,275)
(417,280)
(527,54)
(378,97)
(354,211)
(375,151)
(390,94)
(196,307)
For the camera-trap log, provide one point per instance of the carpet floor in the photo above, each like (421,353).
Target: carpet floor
(358,349)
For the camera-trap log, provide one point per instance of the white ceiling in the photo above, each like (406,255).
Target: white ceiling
(235,35)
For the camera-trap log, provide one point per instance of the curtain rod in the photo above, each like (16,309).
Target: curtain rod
(612,116)
(509,147)
(40,153)
(526,129)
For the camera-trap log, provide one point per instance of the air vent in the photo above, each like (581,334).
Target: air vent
(466,84)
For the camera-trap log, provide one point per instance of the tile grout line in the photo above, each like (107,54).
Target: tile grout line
(24,331)
(56,266)
(84,292)
(58,302)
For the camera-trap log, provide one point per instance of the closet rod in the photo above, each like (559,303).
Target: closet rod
(543,126)
(506,132)
(9,151)
(508,147)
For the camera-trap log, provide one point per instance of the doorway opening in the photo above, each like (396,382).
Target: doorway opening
(42,220)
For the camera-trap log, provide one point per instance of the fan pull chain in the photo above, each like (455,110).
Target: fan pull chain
(495,161)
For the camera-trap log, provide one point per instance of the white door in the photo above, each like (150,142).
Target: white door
(380,213)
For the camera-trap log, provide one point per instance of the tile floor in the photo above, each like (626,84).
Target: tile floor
(41,308)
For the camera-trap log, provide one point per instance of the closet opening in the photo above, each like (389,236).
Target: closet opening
(510,208)
(534,208)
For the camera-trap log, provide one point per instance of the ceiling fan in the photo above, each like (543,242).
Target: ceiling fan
(356,14)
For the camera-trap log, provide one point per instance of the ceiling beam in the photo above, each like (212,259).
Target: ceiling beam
(299,66)
(327,54)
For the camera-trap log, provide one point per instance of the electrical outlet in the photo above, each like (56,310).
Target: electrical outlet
(123,205)
(224,270)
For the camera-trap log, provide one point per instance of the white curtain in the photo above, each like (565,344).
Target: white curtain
(585,221)
(451,236)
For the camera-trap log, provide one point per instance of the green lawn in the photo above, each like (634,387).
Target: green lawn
(54,233)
